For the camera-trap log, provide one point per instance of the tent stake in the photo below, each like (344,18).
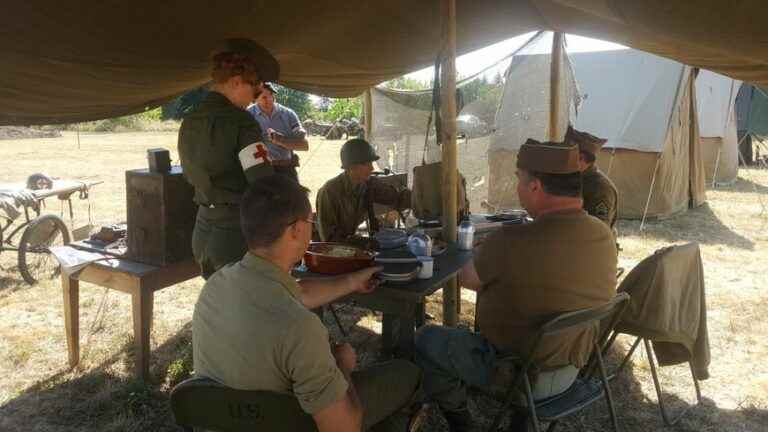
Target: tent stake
(451,293)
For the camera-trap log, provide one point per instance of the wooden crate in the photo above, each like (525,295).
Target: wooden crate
(161,216)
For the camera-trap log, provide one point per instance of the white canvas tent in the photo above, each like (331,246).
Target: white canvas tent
(644,105)
(715,97)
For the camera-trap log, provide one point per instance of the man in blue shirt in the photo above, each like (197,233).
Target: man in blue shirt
(282,132)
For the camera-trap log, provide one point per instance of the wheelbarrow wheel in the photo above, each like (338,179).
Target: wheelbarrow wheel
(36,262)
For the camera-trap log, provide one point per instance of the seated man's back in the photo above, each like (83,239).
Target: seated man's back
(252,327)
(252,332)
(561,262)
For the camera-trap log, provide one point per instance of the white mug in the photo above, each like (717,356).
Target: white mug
(427,267)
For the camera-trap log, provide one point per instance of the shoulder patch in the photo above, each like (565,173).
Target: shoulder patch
(601,210)
(252,155)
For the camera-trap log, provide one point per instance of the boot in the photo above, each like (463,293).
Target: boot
(459,421)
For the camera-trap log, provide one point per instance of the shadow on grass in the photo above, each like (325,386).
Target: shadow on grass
(100,399)
(639,412)
(696,225)
(11,281)
(744,184)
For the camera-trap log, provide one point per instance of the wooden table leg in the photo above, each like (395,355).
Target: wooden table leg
(71,288)
(143,299)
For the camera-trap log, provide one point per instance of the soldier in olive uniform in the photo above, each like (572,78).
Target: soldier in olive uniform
(347,200)
(268,339)
(601,199)
(221,150)
(523,275)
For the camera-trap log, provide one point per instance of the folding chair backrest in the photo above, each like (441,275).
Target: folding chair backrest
(606,315)
(204,403)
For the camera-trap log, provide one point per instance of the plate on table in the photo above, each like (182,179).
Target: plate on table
(507,215)
(399,272)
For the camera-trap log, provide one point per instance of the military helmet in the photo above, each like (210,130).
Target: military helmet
(39,181)
(357,151)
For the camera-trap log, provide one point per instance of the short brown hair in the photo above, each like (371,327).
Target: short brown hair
(269,206)
(567,185)
(243,57)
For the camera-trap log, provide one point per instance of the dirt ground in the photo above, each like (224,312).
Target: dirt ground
(39,392)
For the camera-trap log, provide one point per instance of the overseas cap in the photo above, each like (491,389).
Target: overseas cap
(357,151)
(548,157)
(247,53)
(586,141)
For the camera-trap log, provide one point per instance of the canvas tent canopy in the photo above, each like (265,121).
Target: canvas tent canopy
(715,99)
(89,60)
(642,104)
(751,121)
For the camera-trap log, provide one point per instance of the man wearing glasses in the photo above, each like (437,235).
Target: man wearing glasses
(253,329)
(222,151)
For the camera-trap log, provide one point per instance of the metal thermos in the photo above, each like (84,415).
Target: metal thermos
(466,235)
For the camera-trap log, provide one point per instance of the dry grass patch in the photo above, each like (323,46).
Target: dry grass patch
(39,392)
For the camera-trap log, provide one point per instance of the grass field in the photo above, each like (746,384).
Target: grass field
(39,392)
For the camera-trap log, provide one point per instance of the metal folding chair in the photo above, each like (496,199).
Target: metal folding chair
(204,403)
(587,388)
(668,418)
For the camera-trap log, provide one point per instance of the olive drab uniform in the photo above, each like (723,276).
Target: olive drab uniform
(292,354)
(221,152)
(601,199)
(342,206)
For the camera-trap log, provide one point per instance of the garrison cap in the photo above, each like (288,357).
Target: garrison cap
(548,157)
(357,151)
(265,63)
(586,141)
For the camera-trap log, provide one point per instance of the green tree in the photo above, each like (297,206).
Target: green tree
(294,99)
(344,109)
(324,104)
(406,83)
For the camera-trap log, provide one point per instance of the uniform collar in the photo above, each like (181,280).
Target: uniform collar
(591,169)
(266,268)
(562,213)
(216,99)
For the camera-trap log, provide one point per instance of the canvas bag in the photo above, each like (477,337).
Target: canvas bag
(427,192)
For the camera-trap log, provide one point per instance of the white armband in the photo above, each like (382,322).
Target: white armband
(252,155)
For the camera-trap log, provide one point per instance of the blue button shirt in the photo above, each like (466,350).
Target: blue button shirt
(283,120)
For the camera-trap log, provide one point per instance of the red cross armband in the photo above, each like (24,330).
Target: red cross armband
(253,155)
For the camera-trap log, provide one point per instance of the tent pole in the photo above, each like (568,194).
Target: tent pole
(554,86)
(448,118)
(368,108)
